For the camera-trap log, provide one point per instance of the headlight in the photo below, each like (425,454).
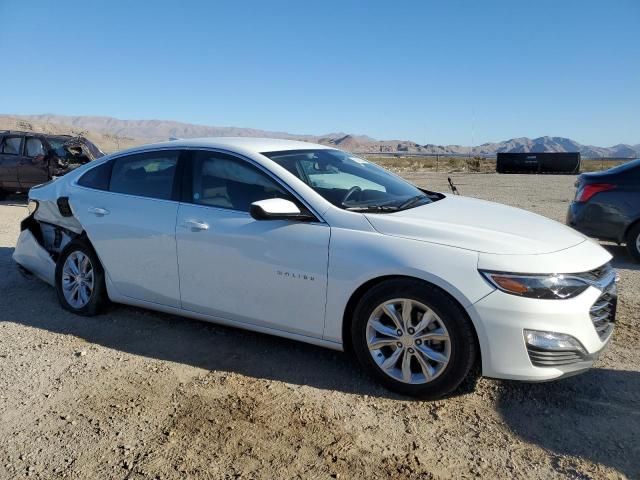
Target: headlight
(32,206)
(548,287)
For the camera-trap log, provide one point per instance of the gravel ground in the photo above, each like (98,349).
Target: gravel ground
(135,394)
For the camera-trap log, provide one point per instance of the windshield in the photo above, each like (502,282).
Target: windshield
(58,145)
(69,148)
(350,182)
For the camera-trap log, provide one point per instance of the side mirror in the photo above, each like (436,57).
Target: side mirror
(277,209)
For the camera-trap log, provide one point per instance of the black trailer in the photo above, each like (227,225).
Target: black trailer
(538,162)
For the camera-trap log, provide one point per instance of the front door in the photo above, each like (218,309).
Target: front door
(270,273)
(127,210)
(33,168)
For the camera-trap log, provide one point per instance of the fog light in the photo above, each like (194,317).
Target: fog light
(552,341)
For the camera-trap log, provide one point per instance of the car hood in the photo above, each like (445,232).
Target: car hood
(478,225)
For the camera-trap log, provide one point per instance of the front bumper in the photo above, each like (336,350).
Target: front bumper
(501,319)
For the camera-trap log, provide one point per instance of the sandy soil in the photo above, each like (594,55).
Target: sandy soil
(135,394)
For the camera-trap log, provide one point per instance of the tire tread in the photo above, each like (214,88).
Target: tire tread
(459,369)
(632,236)
(99,297)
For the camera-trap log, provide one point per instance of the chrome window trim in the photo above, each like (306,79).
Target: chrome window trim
(114,157)
(163,200)
(237,155)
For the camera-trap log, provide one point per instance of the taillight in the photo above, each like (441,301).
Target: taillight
(589,190)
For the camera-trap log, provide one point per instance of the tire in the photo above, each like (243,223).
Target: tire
(445,319)
(3,194)
(633,241)
(95,296)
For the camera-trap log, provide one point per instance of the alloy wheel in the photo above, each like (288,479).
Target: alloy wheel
(77,279)
(408,341)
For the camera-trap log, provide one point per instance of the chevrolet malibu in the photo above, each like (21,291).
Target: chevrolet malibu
(318,245)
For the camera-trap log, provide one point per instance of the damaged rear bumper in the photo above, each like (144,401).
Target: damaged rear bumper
(45,233)
(33,257)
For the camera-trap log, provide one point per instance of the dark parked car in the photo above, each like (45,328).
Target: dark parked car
(607,205)
(28,159)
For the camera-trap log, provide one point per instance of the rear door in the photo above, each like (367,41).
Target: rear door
(126,206)
(10,156)
(33,168)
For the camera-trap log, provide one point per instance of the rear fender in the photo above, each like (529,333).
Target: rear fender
(49,212)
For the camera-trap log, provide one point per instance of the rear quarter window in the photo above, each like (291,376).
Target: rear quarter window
(98,177)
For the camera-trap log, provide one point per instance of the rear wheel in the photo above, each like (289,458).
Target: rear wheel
(3,194)
(80,279)
(633,241)
(413,338)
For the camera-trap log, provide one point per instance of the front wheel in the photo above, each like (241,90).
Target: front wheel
(413,338)
(80,279)
(633,241)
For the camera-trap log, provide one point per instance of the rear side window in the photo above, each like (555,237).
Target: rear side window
(34,148)
(224,181)
(12,145)
(145,174)
(97,177)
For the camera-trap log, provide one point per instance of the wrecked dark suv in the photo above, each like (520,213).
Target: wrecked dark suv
(28,159)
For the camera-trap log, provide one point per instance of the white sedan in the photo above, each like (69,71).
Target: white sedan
(315,244)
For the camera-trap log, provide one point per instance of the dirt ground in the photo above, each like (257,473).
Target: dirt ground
(135,394)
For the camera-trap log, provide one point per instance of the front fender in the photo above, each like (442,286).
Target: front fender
(357,257)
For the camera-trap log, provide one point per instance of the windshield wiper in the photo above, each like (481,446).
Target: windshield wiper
(384,208)
(373,208)
(412,201)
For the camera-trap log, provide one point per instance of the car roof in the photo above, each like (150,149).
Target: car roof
(246,144)
(35,134)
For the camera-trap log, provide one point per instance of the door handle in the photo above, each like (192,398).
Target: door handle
(196,226)
(99,212)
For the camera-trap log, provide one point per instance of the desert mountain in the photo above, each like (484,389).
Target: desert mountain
(113,133)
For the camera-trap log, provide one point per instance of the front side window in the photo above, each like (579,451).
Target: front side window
(34,148)
(12,145)
(224,181)
(350,182)
(145,174)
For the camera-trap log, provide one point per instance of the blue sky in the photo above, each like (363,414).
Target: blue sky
(434,72)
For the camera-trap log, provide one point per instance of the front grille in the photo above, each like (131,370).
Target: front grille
(599,274)
(553,358)
(603,311)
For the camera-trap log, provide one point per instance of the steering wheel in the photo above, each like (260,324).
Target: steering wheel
(351,191)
